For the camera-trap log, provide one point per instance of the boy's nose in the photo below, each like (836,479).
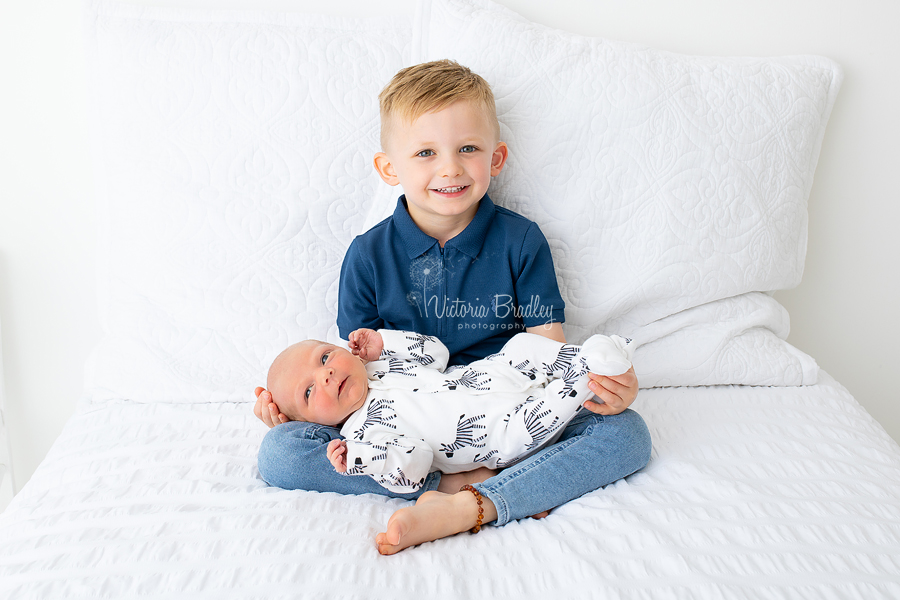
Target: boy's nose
(451,167)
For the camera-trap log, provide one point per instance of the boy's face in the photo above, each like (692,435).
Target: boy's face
(318,383)
(444,160)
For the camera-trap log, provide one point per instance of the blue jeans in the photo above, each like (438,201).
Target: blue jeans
(593,451)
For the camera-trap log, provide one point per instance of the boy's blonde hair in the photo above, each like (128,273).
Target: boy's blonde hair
(432,86)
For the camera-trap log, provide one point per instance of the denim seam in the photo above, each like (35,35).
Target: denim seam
(499,504)
(492,493)
(312,431)
(432,480)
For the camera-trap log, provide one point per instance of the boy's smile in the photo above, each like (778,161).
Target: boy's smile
(453,190)
(444,160)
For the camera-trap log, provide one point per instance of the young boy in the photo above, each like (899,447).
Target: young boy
(402,415)
(451,264)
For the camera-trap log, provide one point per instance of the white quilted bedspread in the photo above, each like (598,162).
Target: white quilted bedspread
(751,493)
(233,158)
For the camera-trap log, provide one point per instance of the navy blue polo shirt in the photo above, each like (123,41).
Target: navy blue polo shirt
(485,285)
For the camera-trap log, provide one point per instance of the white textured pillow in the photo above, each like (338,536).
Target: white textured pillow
(738,340)
(234,154)
(663,182)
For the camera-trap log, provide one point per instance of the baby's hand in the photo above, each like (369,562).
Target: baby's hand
(366,343)
(337,454)
(266,409)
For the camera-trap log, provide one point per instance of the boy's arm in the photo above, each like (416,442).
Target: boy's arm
(536,286)
(553,331)
(356,294)
(266,410)
(613,394)
(538,279)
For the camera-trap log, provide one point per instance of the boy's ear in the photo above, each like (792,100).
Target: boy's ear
(498,159)
(386,169)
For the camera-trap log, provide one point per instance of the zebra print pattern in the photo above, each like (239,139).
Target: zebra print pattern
(398,478)
(465,435)
(526,368)
(417,348)
(563,360)
(536,429)
(380,412)
(471,379)
(397,366)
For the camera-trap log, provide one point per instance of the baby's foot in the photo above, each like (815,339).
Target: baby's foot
(609,356)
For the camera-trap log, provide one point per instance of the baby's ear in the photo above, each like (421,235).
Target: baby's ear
(385,169)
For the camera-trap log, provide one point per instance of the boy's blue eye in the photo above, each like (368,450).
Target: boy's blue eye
(468,149)
(325,357)
(308,390)
(425,153)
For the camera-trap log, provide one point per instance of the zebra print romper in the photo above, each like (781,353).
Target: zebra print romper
(420,416)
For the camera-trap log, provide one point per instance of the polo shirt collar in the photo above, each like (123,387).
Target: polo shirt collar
(469,241)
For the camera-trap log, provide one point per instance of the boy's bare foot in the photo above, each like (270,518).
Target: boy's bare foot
(451,482)
(435,515)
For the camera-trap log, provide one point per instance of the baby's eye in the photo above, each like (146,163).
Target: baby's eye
(467,149)
(325,357)
(425,153)
(308,392)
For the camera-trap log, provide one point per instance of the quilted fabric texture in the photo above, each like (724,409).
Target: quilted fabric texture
(234,153)
(751,494)
(662,181)
(738,340)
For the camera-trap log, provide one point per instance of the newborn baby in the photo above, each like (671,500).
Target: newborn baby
(404,415)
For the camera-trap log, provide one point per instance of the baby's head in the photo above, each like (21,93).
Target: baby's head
(318,382)
(431,87)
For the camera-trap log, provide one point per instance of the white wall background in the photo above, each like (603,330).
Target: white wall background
(844,313)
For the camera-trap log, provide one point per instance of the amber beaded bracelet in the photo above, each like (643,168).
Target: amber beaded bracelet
(477,527)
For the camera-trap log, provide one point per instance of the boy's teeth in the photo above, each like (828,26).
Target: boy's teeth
(452,190)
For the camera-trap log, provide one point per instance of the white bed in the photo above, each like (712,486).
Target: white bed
(233,166)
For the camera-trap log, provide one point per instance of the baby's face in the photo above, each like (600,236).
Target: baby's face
(319,383)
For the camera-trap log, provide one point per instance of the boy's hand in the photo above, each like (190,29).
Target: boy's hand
(366,344)
(266,409)
(337,455)
(613,394)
